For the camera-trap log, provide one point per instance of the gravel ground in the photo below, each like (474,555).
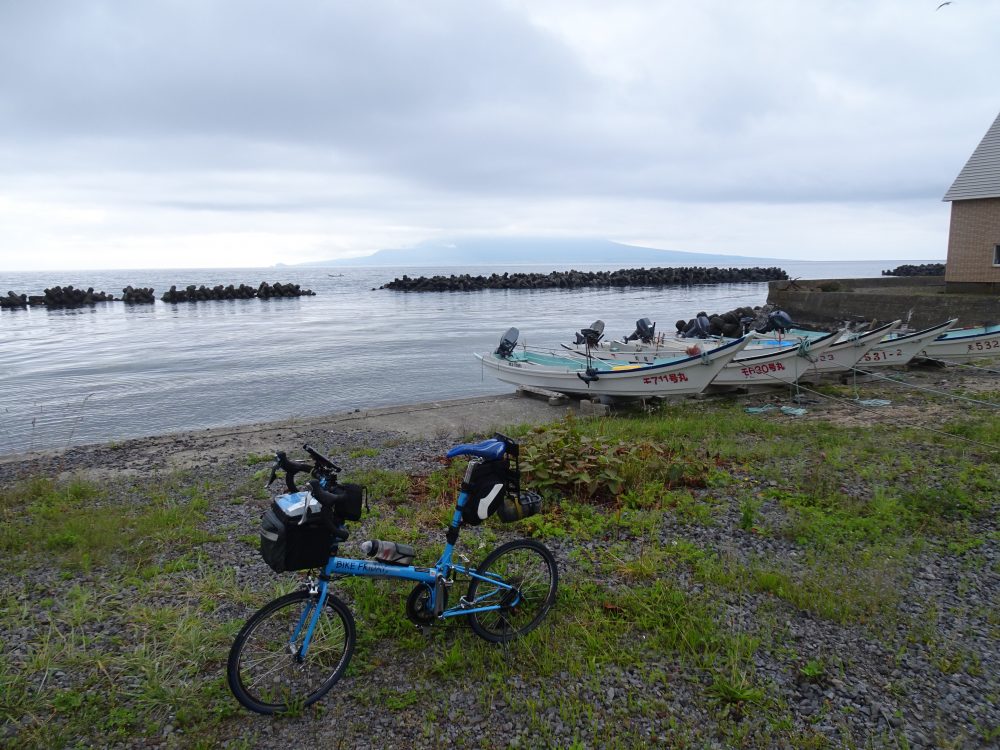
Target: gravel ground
(880,688)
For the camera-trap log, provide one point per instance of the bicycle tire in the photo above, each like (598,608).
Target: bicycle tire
(290,684)
(531,568)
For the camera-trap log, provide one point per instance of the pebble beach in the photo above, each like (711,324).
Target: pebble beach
(879,687)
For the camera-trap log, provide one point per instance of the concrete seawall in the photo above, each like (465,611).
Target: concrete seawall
(919,300)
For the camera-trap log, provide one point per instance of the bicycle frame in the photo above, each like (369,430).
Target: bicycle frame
(442,569)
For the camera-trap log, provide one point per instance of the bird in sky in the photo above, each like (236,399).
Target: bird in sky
(942,5)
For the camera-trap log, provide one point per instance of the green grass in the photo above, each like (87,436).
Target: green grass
(383,486)
(140,628)
(73,523)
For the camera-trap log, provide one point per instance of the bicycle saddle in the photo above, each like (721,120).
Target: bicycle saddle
(489,449)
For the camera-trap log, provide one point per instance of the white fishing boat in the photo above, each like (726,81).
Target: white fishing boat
(840,356)
(939,342)
(563,373)
(963,344)
(784,366)
(899,348)
(761,366)
(647,346)
(844,354)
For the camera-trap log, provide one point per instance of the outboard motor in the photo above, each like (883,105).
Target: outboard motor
(645,331)
(781,320)
(698,328)
(778,321)
(507,342)
(591,336)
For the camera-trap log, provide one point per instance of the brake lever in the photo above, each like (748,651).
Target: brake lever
(279,463)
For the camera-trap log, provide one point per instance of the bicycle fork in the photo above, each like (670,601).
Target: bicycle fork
(311,613)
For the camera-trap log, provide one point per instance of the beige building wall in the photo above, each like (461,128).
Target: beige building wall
(974,235)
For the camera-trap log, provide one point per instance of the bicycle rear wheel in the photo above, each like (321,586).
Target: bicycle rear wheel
(264,671)
(530,568)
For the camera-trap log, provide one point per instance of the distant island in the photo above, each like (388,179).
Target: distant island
(528,250)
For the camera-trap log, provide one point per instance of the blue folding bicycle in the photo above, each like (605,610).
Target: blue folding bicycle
(292,651)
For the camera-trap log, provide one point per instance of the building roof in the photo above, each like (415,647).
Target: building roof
(980,177)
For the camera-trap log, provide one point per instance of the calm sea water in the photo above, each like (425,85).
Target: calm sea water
(115,371)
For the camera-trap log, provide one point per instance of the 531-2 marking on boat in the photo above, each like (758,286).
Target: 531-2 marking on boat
(881,356)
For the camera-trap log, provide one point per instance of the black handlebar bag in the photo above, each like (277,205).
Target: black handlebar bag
(347,500)
(296,533)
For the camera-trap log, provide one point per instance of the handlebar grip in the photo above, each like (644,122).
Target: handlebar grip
(291,468)
(326,499)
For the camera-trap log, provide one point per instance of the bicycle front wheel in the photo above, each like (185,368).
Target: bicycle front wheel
(529,569)
(265,670)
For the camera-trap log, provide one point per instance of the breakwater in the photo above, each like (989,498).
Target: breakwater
(919,301)
(626,277)
(731,324)
(191,293)
(58,297)
(922,269)
(13,300)
(140,296)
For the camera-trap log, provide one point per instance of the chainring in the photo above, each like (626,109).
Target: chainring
(418,609)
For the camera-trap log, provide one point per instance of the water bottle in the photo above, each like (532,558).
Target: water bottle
(388,552)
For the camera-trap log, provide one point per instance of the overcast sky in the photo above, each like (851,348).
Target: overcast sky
(189,133)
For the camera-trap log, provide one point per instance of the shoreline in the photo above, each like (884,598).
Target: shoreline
(452,418)
(458,420)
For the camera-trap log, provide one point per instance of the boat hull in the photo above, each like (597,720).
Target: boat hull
(783,367)
(827,356)
(678,377)
(842,356)
(896,350)
(754,366)
(958,345)
(962,345)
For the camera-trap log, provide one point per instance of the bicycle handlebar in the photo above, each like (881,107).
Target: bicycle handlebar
(291,468)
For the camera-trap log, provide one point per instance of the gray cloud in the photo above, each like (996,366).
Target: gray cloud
(328,72)
(388,114)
